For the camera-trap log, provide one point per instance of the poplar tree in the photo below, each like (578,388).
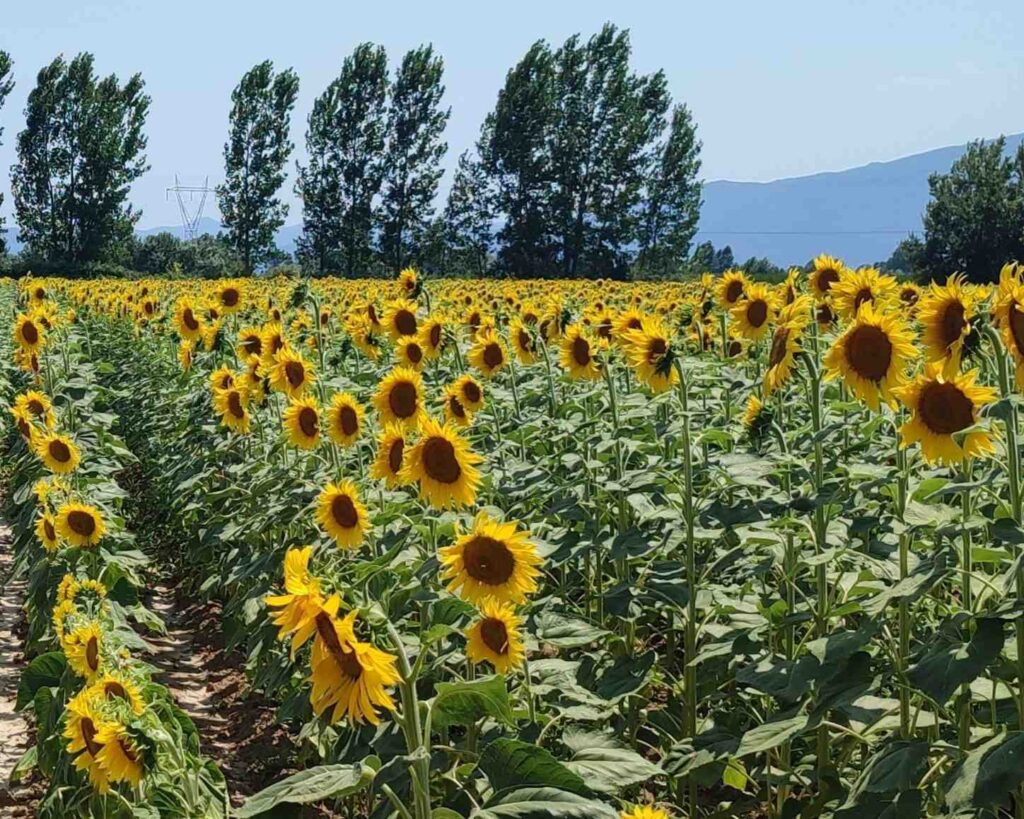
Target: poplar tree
(6,86)
(469,218)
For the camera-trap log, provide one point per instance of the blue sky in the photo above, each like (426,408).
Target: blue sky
(777,89)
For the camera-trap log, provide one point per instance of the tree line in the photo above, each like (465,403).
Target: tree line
(584,168)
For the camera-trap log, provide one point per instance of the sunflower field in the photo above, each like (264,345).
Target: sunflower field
(523,549)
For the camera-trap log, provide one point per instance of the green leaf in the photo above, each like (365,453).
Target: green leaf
(308,787)
(771,735)
(510,763)
(466,702)
(626,676)
(896,767)
(988,775)
(566,632)
(544,803)
(610,770)
(944,668)
(43,672)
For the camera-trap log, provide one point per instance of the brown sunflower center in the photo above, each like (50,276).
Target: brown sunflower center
(869,352)
(343,510)
(235,404)
(405,323)
(348,421)
(51,533)
(309,423)
(492,355)
(735,348)
(656,350)
(346,660)
(395,454)
(733,291)
(114,690)
(92,654)
(471,391)
(435,335)
(1015,316)
(402,399)
(863,295)
(276,343)
(439,460)
(581,351)
(952,324)
(81,523)
(59,451)
(414,353)
(824,314)
(757,313)
(495,635)
(295,373)
(230,296)
(30,332)
(35,406)
(488,560)
(188,318)
(251,345)
(826,278)
(455,405)
(944,408)
(909,296)
(604,329)
(89,732)
(778,352)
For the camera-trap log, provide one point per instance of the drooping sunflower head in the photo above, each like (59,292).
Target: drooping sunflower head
(302,423)
(292,374)
(578,354)
(752,316)
(399,398)
(83,648)
(250,342)
(36,406)
(390,458)
(400,319)
(232,405)
(757,419)
(443,465)
(121,756)
(46,531)
(431,338)
(340,514)
(82,728)
(946,313)
(80,524)
(345,419)
(272,342)
(825,273)
(222,378)
(454,410)
(493,559)
(186,354)
(649,350)
(945,412)
(523,341)
(294,612)
(785,344)
(58,452)
(865,285)
(495,637)
(871,356)
(488,353)
(471,392)
(409,283)
(731,288)
(187,320)
(1008,315)
(118,687)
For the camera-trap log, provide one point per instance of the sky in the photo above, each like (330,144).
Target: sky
(777,89)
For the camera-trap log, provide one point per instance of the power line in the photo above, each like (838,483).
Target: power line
(808,232)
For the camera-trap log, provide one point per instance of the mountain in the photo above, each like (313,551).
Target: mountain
(859,214)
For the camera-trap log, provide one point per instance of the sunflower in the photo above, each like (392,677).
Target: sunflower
(644,812)
(825,316)
(29,334)
(301,603)
(362,335)
(1008,313)
(232,405)
(222,378)
(910,294)
(793,320)
(387,466)
(865,285)
(80,524)
(942,407)
(945,314)
(229,297)
(116,686)
(825,273)
(752,316)
(491,560)
(871,356)
(495,637)
(523,342)
(650,352)
(431,338)
(36,406)
(731,288)
(120,757)
(757,419)
(187,322)
(443,464)
(186,354)
(46,531)
(83,648)
(81,730)
(250,342)
(272,341)
(400,319)
(302,423)
(409,283)
(470,392)
(58,452)
(291,373)
(488,353)
(409,353)
(349,676)
(344,419)
(341,515)
(399,398)
(788,290)
(454,410)
(626,322)
(578,354)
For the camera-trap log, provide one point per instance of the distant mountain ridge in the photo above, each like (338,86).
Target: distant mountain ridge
(859,214)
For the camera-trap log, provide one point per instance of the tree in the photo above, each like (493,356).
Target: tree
(513,148)
(254,161)
(468,218)
(672,209)
(974,222)
(80,151)
(345,140)
(6,86)
(412,168)
(907,258)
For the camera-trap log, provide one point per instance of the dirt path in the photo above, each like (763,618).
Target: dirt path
(15,801)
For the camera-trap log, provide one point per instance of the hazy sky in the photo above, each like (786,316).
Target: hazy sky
(777,89)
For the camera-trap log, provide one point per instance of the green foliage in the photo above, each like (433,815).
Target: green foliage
(254,161)
(80,151)
(6,86)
